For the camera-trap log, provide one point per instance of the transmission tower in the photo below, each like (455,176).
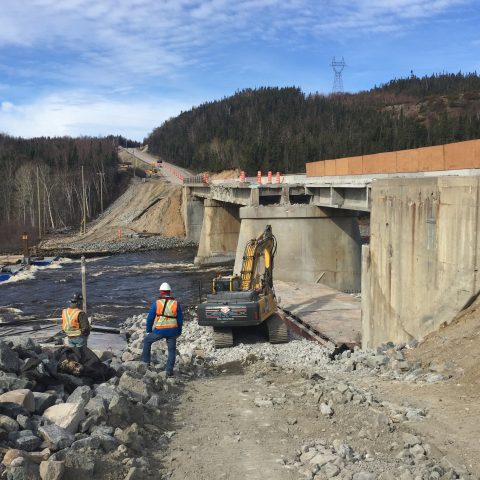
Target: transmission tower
(338,69)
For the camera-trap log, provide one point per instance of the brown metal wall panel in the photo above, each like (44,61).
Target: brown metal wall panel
(380,162)
(310,169)
(461,155)
(320,172)
(431,159)
(315,169)
(407,160)
(355,165)
(330,167)
(341,166)
(453,156)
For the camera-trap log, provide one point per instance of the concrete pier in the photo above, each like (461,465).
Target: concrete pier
(219,234)
(314,245)
(192,212)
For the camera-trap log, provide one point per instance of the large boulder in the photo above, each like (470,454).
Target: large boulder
(81,395)
(27,441)
(9,361)
(130,437)
(22,397)
(13,410)
(121,412)
(52,470)
(22,469)
(105,391)
(8,424)
(78,464)
(43,401)
(135,366)
(97,407)
(134,386)
(24,346)
(10,381)
(66,415)
(56,437)
(11,454)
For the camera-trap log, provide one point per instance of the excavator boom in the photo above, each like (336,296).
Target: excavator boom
(265,245)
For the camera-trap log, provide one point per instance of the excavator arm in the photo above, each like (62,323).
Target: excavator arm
(265,245)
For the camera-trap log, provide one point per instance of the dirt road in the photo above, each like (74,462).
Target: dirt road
(167,170)
(222,435)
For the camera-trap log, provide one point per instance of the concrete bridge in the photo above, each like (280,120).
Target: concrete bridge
(421,265)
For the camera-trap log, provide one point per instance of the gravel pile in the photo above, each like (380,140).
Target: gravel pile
(124,245)
(390,361)
(56,425)
(320,460)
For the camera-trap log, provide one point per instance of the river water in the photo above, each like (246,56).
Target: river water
(117,286)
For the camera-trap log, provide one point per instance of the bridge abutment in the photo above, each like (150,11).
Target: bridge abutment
(314,244)
(421,267)
(219,233)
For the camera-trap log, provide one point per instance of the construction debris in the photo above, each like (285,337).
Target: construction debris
(110,416)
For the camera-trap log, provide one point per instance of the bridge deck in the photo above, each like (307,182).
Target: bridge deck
(333,314)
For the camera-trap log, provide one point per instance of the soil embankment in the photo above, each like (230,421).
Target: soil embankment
(150,208)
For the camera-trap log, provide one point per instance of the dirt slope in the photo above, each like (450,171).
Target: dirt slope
(153,206)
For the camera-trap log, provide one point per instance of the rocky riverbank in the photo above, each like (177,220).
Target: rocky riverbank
(103,247)
(57,425)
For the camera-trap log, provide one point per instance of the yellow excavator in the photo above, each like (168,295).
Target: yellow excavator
(248,299)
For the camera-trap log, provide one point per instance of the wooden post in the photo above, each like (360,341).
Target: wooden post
(84,206)
(26,254)
(38,202)
(84,283)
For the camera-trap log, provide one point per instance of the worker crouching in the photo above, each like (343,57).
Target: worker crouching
(75,323)
(165,320)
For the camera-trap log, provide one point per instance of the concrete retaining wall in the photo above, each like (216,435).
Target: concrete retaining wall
(312,245)
(421,266)
(453,156)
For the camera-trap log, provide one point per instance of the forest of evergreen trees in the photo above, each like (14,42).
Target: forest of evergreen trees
(282,128)
(41,187)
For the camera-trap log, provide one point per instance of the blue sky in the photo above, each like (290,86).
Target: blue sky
(99,67)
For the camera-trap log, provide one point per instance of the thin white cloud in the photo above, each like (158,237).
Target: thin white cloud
(77,113)
(121,46)
(158,38)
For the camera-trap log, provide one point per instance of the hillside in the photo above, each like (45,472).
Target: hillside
(282,128)
(41,186)
(152,207)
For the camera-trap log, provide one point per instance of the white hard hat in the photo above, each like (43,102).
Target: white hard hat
(165,287)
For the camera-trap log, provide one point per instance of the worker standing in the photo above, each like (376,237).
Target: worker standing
(165,320)
(75,322)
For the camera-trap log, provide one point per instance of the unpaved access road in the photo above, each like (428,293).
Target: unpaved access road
(253,424)
(222,435)
(166,170)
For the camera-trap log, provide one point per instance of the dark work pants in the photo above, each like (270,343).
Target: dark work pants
(153,337)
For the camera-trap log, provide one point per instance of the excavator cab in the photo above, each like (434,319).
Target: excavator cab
(226,283)
(247,299)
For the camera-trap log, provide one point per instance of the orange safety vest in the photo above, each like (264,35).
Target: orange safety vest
(70,321)
(166,314)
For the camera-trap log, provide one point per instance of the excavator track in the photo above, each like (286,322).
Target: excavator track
(277,330)
(223,337)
